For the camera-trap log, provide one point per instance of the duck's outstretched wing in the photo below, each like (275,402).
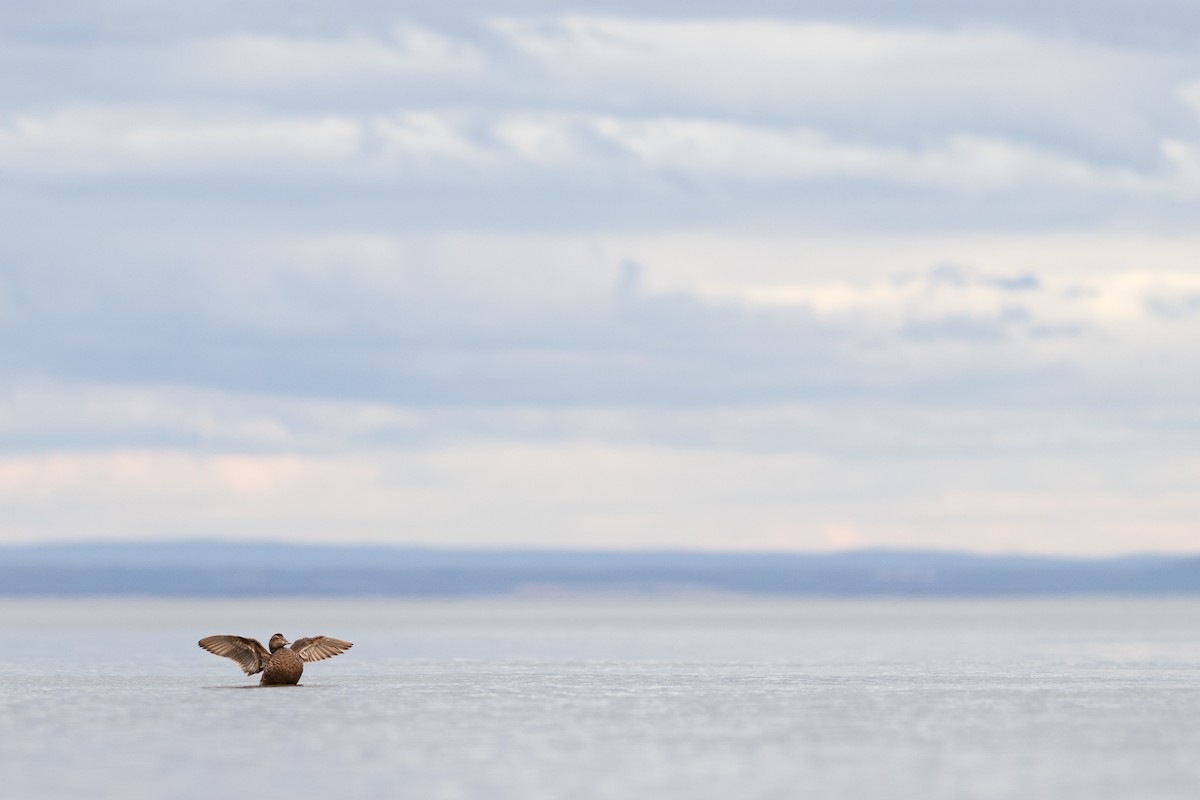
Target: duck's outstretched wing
(249,654)
(319,648)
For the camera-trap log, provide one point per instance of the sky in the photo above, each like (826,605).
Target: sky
(799,276)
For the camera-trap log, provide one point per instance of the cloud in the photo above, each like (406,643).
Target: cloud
(98,141)
(569,149)
(559,321)
(875,82)
(573,494)
(886,80)
(602,120)
(703,150)
(661,276)
(97,417)
(249,62)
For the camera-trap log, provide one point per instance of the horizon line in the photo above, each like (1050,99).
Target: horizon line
(566,550)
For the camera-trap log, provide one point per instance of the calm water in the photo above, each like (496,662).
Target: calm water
(552,698)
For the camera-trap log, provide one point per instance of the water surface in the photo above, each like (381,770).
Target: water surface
(608,698)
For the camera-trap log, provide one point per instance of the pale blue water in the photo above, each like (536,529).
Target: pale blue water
(560,698)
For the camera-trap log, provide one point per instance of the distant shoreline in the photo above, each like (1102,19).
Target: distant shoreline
(226,569)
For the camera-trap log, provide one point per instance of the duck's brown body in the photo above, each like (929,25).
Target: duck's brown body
(285,667)
(282,665)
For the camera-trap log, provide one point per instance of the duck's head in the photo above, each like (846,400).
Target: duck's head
(278,641)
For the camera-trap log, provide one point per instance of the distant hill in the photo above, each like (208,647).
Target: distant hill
(200,569)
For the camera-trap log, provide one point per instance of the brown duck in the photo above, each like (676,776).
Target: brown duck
(282,665)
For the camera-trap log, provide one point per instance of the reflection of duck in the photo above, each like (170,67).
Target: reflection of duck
(282,665)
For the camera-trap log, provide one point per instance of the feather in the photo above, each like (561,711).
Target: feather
(249,654)
(318,648)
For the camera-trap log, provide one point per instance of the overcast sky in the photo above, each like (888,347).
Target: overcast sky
(611,275)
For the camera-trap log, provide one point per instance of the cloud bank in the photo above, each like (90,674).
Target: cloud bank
(662,277)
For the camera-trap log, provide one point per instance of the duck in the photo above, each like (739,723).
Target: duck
(283,663)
